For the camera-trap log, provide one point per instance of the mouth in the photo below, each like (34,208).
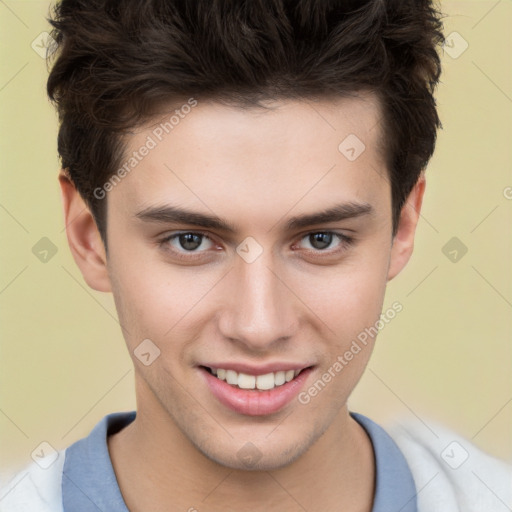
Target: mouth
(255,395)
(264,382)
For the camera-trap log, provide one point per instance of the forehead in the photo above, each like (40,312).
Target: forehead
(237,157)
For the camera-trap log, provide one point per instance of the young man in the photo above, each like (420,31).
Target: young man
(245,178)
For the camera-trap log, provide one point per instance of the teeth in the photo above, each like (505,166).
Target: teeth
(279,378)
(262,382)
(246,381)
(266,381)
(232,377)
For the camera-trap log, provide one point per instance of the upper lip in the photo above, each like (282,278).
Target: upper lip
(251,369)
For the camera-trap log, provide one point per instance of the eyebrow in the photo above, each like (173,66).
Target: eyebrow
(335,214)
(174,214)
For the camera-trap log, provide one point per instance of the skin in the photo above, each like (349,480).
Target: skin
(296,303)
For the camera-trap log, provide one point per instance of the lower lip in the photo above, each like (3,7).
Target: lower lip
(254,402)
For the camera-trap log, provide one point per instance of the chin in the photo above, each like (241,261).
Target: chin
(258,456)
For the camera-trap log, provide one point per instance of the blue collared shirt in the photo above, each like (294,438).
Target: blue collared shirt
(89,483)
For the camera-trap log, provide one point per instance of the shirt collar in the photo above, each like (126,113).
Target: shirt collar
(89,483)
(394,485)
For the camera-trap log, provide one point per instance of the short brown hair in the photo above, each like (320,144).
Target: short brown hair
(118,59)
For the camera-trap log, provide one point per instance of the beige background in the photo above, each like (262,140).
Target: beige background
(445,358)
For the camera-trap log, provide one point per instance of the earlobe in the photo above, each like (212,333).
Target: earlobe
(403,241)
(83,236)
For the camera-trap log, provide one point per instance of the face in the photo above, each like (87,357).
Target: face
(250,243)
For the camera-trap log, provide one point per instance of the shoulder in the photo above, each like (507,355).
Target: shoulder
(36,488)
(450,472)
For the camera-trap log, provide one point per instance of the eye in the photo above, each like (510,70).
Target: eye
(325,241)
(320,240)
(187,242)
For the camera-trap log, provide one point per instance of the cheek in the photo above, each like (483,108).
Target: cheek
(154,300)
(348,298)
(350,307)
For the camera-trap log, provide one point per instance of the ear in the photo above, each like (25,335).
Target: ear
(83,236)
(403,241)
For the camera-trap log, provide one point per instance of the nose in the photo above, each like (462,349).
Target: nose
(261,309)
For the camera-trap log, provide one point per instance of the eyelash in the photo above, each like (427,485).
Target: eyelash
(345,242)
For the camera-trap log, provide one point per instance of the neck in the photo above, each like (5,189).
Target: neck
(156,465)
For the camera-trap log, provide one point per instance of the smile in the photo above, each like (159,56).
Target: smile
(259,382)
(255,395)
